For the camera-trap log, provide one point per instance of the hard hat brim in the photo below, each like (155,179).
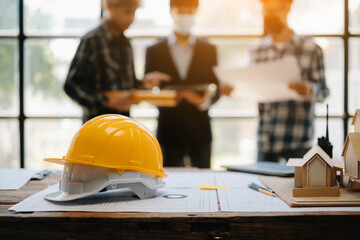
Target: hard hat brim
(60,196)
(63,161)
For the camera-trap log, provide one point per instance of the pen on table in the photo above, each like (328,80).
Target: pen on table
(262,189)
(258,186)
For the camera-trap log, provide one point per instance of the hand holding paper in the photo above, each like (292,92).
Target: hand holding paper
(302,88)
(226,90)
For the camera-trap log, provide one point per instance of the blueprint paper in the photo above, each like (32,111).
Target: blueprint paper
(263,82)
(167,200)
(14,179)
(236,179)
(189,179)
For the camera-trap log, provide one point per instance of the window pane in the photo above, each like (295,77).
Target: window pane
(139,46)
(148,22)
(351,127)
(227,17)
(9,147)
(333,49)
(354,75)
(234,141)
(149,122)
(8,78)
(317,17)
(336,134)
(51,138)
(44,17)
(9,17)
(233,52)
(46,70)
(243,17)
(48,139)
(354,8)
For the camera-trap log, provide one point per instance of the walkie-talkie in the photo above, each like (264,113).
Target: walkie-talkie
(324,142)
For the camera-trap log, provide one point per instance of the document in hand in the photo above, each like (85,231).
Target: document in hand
(263,82)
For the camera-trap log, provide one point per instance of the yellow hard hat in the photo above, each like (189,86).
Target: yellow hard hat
(116,142)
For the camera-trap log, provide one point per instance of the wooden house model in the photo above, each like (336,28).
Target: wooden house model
(315,174)
(356,120)
(351,154)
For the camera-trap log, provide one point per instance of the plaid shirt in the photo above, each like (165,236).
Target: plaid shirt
(103,62)
(289,125)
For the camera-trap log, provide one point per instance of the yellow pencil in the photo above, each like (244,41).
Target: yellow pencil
(266,192)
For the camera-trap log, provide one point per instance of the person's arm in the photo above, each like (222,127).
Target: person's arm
(315,88)
(317,77)
(81,81)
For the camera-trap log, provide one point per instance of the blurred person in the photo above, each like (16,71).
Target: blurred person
(184,131)
(286,129)
(104,63)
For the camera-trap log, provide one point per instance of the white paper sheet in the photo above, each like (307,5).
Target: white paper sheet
(189,179)
(14,179)
(263,82)
(168,200)
(236,179)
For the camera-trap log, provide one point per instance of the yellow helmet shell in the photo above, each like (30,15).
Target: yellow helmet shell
(116,142)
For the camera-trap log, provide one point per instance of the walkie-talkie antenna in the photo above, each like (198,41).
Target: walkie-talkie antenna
(327,122)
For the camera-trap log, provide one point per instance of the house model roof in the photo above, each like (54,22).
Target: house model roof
(354,139)
(357,114)
(316,150)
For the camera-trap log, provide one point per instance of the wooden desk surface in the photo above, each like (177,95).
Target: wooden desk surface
(82,225)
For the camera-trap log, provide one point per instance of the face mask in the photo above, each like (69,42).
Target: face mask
(273,24)
(183,23)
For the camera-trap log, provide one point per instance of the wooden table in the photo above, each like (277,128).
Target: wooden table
(236,225)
